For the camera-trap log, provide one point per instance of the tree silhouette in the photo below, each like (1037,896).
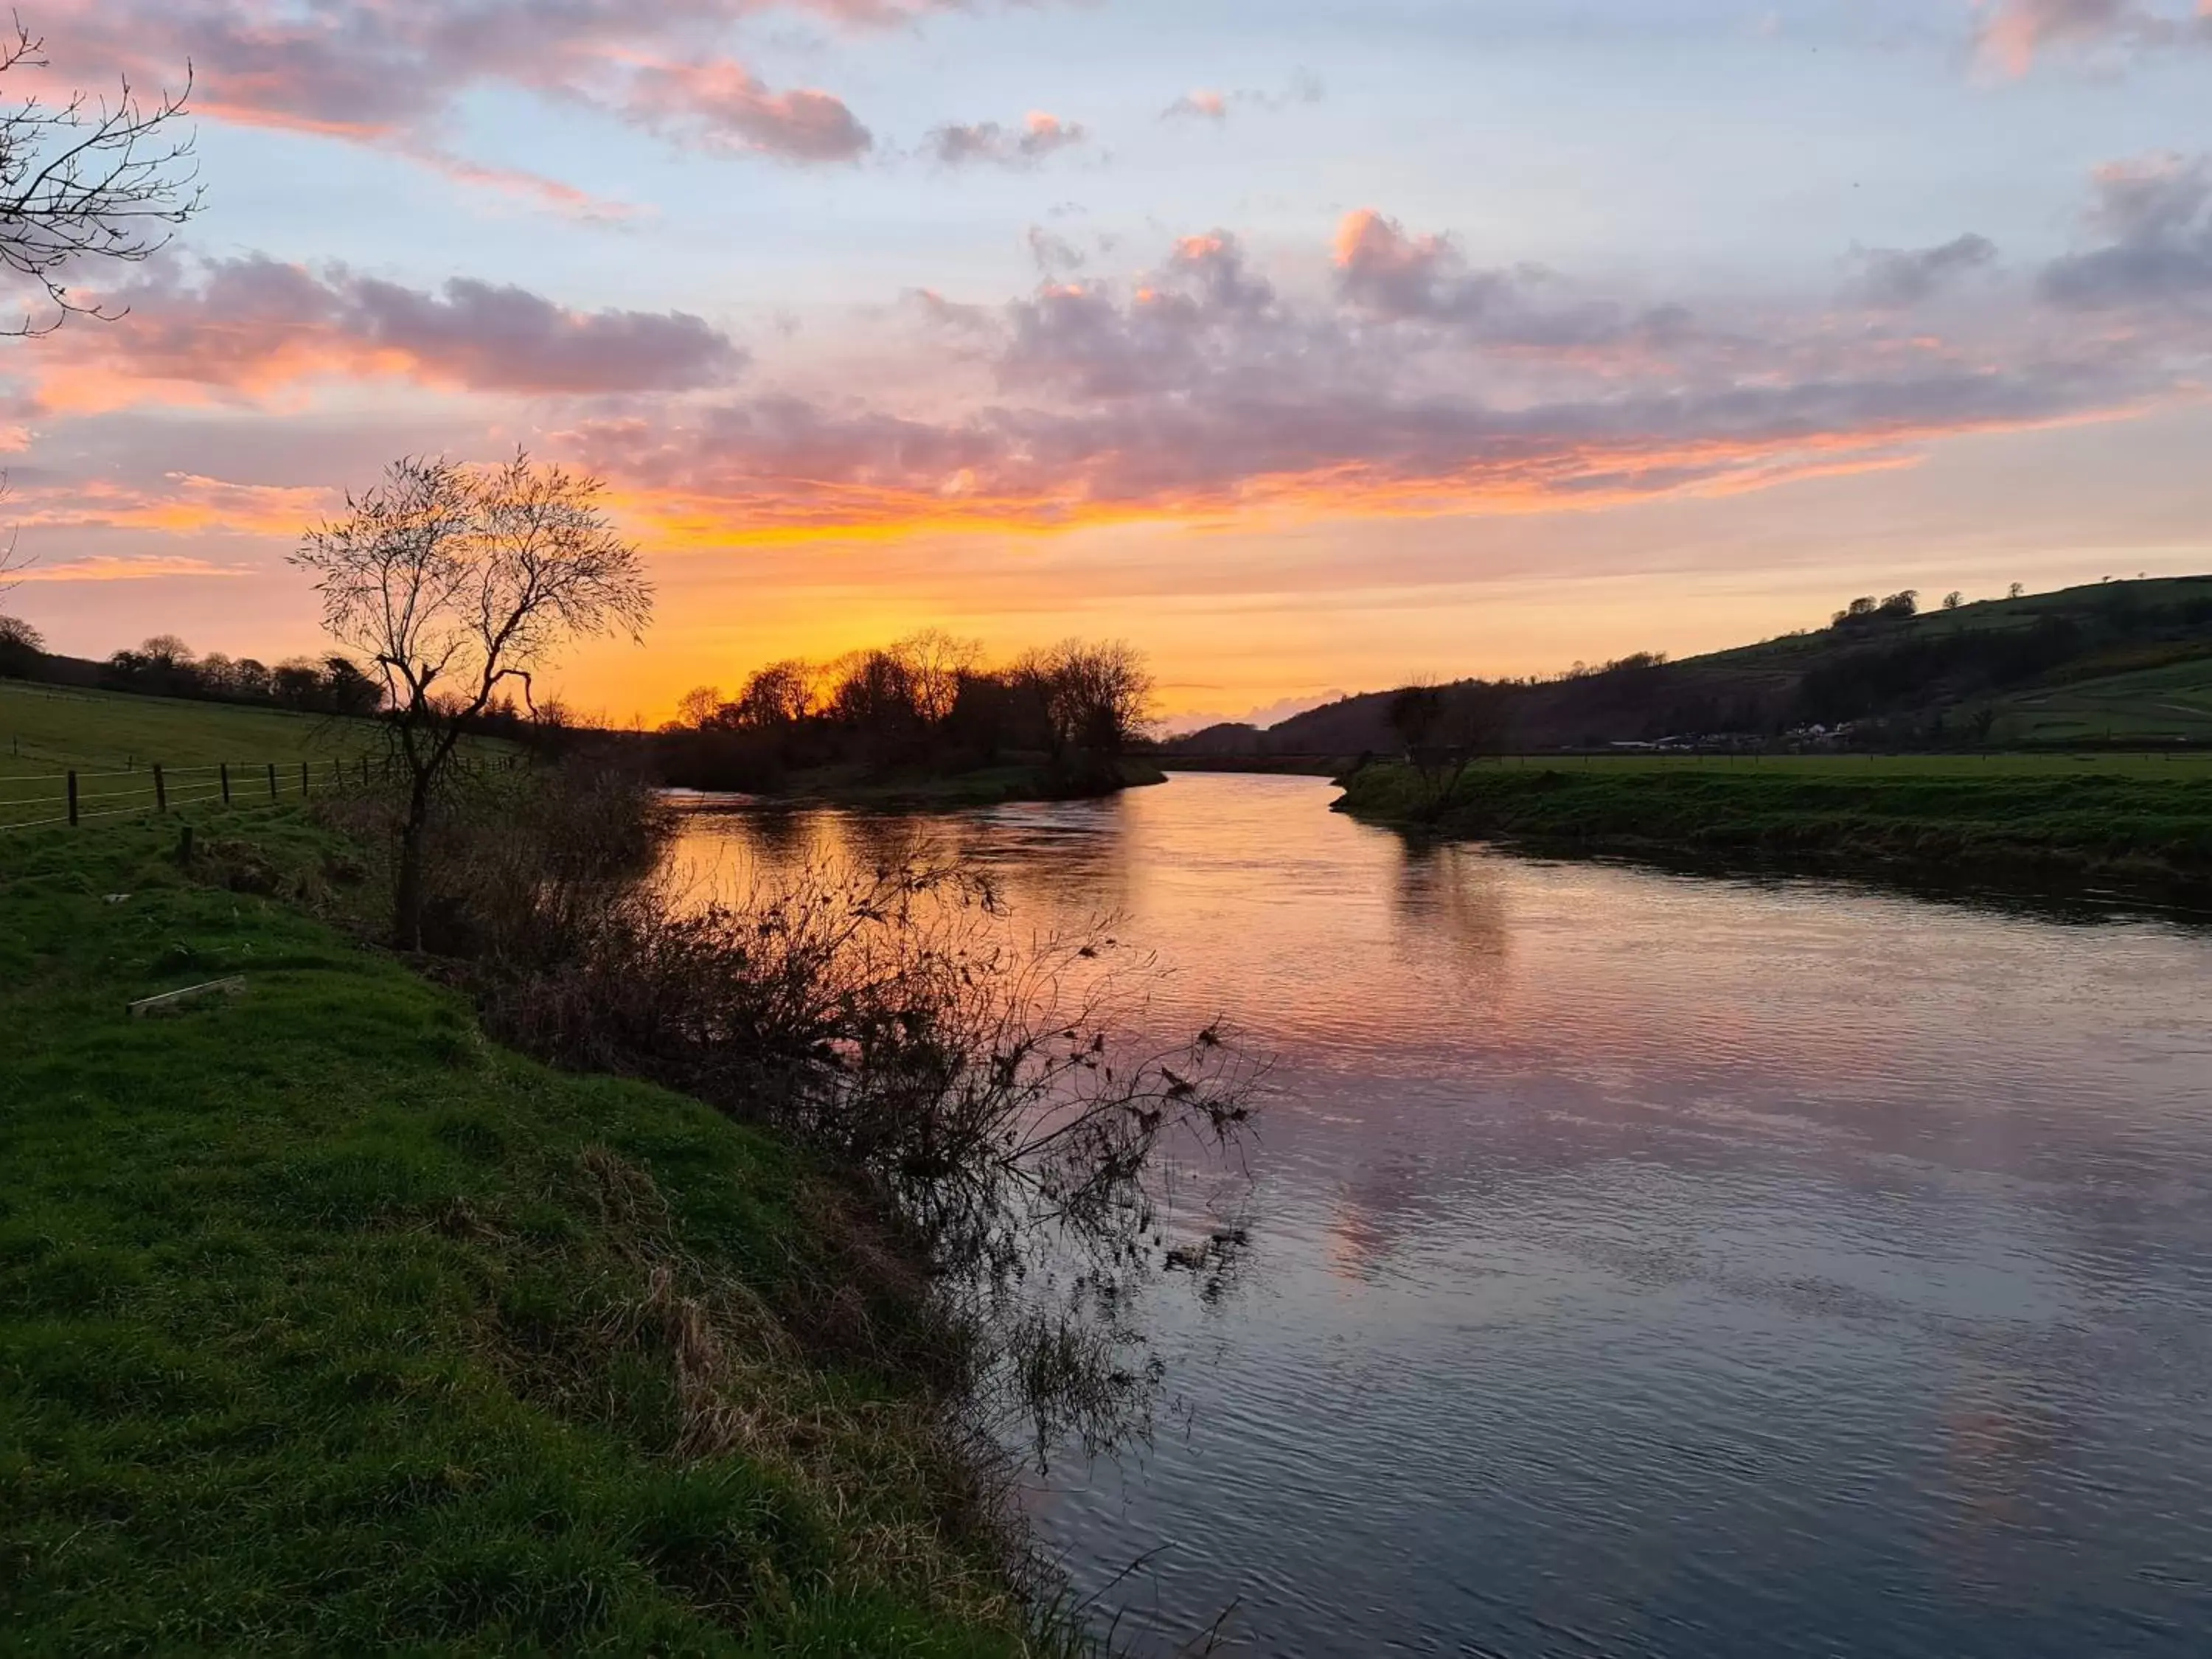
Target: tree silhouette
(453,581)
(88,180)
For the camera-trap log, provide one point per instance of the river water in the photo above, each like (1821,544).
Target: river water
(1645,1264)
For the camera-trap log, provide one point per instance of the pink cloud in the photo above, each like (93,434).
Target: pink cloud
(251,325)
(1419,383)
(1040,135)
(718,104)
(1424,386)
(1208,104)
(392,72)
(1399,275)
(1201,105)
(552,193)
(2013,33)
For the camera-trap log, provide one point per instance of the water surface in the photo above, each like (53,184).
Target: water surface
(1646,1264)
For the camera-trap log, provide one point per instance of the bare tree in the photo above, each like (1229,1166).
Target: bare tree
(781,694)
(20,645)
(935,663)
(453,581)
(1097,697)
(88,180)
(875,695)
(698,705)
(166,651)
(1446,729)
(1416,711)
(1473,725)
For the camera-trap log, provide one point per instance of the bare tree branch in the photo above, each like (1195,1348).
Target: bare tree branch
(453,581)
(13,563)
(88,180)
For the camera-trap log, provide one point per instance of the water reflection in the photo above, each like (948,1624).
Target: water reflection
(1648,1264)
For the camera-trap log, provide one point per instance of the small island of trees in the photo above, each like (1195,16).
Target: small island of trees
(927,707)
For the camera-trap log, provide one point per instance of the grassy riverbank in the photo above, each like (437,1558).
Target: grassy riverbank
(2026,817)
(327,1326)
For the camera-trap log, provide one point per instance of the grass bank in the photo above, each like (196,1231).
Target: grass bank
(2145,824)
(326,1325)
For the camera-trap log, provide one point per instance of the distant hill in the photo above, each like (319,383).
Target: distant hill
(2125,662)
(1228,739)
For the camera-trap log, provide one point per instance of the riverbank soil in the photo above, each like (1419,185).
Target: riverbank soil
(327,1326)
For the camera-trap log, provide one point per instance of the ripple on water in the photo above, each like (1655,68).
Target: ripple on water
(1646,1264)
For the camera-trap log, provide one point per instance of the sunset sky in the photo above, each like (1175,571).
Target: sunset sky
(1307,344)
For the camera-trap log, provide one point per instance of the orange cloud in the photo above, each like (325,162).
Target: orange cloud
(1421,387)
(1588,479)
(106,568)
(190,505)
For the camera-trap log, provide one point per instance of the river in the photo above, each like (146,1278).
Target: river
(1646,1264)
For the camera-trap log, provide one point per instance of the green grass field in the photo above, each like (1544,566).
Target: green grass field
(2142,763)
(2124,819)
(2172,701)
(113,740)
(46,729)
(327,1327)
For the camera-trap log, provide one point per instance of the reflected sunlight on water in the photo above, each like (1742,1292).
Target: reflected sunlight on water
(1645,1264)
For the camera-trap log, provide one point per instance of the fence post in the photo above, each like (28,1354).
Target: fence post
(160,790)
(72,800)
(303,779)
(337,777)
(272,780)
(224,767)
(364,771)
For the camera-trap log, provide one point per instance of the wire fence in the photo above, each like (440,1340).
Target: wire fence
(76,799)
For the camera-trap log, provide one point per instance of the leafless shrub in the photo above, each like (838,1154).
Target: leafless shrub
(985,1080)
(998,1140)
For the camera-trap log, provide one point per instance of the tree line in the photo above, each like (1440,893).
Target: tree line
(165,667)
(927,702)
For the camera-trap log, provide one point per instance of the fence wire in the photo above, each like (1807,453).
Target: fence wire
(64,799)
(61,797)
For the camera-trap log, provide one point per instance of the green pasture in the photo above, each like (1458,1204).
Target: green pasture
(47,729)
(327,1326)
(2174,700)
(2105,817)
(2145,763)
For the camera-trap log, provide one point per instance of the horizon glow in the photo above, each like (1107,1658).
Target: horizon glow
(1307,346)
